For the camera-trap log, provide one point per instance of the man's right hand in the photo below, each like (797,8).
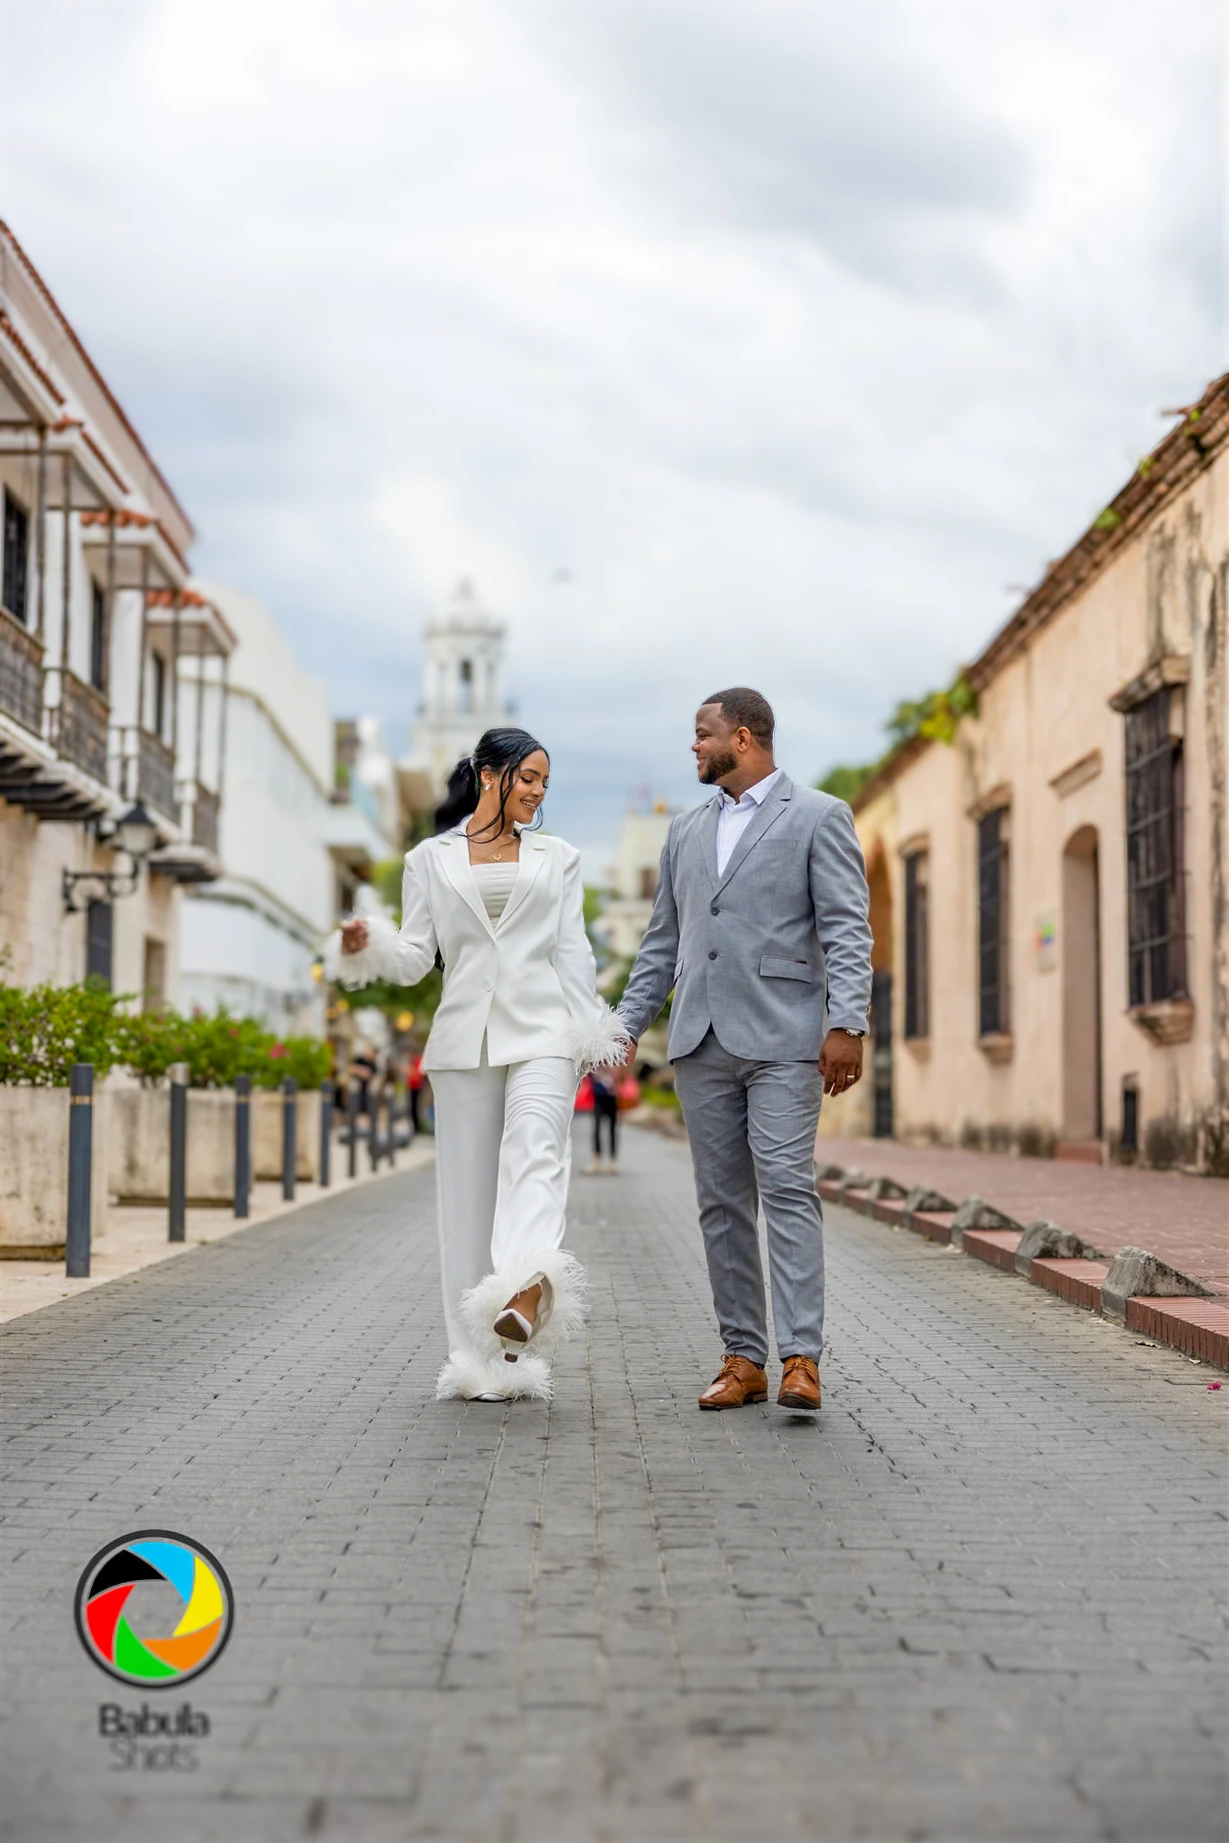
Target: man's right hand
(353,936)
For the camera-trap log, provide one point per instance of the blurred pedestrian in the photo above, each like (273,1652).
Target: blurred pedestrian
(605,1084)
(363,1068)
(414,1079)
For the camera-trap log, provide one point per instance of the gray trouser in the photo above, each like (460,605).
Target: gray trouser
(752,1131)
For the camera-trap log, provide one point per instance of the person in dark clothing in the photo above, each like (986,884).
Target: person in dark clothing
(605,1107)
(362,1071)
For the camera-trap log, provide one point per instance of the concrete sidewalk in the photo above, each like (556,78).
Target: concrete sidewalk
(136,1234)
(1182,1220)
(976,1602)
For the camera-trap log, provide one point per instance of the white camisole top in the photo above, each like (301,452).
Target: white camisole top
(495,882)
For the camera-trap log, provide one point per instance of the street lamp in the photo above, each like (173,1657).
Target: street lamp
(135,835)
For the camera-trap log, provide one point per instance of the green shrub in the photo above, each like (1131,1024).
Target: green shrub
(661,1097)
(44,1029)
(308,1060)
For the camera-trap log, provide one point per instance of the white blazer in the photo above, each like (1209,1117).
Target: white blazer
(527,982)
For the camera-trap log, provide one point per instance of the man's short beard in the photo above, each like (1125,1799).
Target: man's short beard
(717,765)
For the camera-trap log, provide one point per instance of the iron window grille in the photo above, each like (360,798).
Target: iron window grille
(159,697)
(993,864)
(98,637)
(99,919)
(1156,945)
(881,1052)
(16,557)
(917,944)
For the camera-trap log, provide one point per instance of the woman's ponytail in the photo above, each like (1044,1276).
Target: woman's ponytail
(461,796)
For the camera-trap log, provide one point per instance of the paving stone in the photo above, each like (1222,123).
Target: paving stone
(977,1598)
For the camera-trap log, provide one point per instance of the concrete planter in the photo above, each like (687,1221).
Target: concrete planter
(140,1163)
(34,1170)
(267,1136)
(141,1142)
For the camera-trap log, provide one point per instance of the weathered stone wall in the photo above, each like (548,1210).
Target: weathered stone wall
(1047,741)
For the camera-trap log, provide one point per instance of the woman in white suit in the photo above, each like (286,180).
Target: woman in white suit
(519,1020)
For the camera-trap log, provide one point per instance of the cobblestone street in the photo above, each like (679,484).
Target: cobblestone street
(977,1600)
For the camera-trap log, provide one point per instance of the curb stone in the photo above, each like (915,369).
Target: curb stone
(1136,1290)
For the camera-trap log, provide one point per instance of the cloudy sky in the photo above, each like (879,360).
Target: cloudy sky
(719,340)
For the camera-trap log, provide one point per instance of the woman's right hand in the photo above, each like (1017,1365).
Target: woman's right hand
(353,936)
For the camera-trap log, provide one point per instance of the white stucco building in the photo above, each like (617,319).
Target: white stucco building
(461,687)
(625,917)
(289,849)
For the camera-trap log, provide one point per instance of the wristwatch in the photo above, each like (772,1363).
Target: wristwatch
(846,1032)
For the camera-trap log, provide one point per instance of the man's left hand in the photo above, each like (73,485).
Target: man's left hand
(840,1061)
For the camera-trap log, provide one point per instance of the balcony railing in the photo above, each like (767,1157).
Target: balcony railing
(205,820)
(156,775)
(80,725)
(21,674)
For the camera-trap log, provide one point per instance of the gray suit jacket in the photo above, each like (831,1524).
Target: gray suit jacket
(771,954)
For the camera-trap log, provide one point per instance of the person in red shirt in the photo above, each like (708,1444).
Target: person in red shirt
(414,1080)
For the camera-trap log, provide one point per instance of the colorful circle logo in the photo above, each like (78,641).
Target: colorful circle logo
(122,1609)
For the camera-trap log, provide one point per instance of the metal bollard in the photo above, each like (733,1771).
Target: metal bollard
(392,1126)
(290,1089)
(373,1126)
(178,1191)
(80,1156)
(243,1144)
(352,1120)
(326,1133)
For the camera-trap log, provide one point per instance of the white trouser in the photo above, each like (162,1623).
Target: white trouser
(503,1157)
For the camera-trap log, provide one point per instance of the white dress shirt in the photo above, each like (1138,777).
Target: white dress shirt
(736,815)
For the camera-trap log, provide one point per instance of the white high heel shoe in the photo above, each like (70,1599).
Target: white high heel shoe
(524,1316)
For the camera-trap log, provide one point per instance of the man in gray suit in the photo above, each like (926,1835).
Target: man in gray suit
(760,926)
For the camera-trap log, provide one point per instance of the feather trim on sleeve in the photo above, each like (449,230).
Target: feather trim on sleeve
(378,960)
(599,1042)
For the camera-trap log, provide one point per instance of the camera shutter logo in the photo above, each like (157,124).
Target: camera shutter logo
(108,1609)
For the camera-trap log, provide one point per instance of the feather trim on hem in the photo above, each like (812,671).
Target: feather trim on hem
(600,1043)
(378,960)
(482,1304)
(466,1376)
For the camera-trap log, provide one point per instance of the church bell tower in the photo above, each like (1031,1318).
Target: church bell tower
(461,693)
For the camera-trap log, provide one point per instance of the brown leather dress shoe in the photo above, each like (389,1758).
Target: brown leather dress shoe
(739,1381)
(799,1384)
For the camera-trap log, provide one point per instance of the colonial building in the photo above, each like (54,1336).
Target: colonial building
(626,912)
(105,814)
(461,692)
(1050,890)
(292,844)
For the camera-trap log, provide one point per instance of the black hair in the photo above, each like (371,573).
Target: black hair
(502,751)
(746,709)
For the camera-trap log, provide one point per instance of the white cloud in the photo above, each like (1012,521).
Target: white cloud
(794,331)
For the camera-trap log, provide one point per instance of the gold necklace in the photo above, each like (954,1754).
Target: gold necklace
(497,857)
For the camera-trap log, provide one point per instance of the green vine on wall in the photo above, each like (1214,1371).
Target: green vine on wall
(935,717)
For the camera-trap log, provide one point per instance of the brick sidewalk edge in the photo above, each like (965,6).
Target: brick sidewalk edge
(1197,1327)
